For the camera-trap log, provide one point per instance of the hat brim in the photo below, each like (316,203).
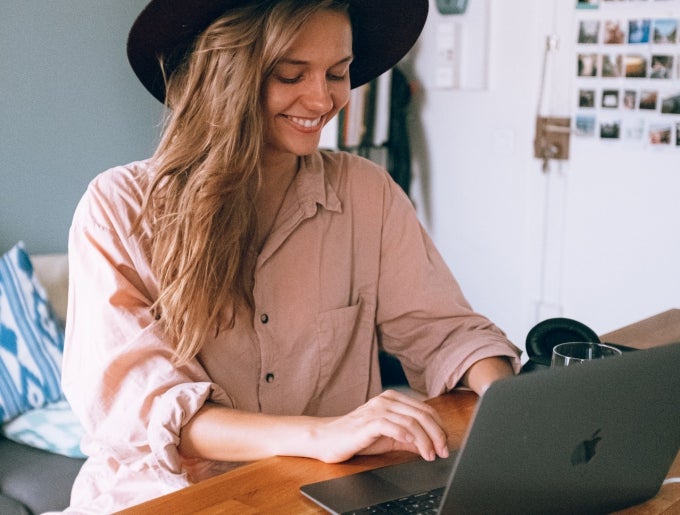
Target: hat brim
(383,32)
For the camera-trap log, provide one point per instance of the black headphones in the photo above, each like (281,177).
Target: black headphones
(546,334)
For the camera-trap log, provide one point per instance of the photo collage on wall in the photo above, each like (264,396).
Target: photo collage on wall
(628,71)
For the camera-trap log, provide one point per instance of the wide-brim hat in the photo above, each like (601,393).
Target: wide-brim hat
(383,32)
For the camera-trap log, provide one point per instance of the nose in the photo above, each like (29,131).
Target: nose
(318,97)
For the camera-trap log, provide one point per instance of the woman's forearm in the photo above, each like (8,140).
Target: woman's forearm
(223,434)
(391,421)
(485,371)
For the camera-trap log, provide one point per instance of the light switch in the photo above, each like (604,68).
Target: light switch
(448,55)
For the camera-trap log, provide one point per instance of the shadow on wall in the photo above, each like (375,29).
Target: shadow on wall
(420,159)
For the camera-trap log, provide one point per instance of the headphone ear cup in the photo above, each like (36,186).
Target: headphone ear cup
(546,334)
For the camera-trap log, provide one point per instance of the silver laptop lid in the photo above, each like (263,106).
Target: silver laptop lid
(583,439)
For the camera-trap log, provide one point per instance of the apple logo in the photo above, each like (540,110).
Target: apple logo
(585,451)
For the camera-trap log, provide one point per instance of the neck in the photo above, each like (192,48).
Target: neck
(276,181)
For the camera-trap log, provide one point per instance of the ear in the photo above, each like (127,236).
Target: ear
(548,333)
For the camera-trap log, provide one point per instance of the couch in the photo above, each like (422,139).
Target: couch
(33,480)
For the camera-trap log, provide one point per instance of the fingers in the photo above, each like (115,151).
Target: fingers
(413,424)
(388,422)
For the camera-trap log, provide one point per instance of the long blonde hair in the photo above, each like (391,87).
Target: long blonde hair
(200,204)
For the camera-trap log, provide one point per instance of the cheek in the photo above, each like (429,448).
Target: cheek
(340,97)
(274,98)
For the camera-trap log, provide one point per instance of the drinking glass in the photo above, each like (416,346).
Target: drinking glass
(575,353)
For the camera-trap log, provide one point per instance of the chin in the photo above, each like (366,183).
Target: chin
(304,150)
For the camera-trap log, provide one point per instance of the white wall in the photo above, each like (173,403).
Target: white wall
(594,239)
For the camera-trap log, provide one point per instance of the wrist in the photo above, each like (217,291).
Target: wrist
(482,373)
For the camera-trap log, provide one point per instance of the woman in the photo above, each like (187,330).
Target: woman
(229,295)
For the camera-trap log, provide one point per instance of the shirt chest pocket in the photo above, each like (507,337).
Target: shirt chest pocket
(346,337)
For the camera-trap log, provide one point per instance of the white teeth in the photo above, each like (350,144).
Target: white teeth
(306,123)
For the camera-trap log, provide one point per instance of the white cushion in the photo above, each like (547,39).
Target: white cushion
(52,272)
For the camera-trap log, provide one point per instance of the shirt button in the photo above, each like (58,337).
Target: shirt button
(269,377)
(264,318)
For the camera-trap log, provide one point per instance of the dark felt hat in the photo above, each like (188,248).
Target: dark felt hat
(383,31)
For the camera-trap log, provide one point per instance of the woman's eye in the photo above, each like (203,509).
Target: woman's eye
(332,76)
(287,80)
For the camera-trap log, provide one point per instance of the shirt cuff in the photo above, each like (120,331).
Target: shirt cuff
(171,411)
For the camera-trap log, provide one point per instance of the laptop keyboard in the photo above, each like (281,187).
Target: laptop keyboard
(423,503)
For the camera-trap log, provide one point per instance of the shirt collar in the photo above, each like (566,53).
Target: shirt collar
(314,186)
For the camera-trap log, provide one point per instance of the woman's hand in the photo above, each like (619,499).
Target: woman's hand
(389,422)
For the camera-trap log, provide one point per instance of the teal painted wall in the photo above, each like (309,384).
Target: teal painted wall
(70,107)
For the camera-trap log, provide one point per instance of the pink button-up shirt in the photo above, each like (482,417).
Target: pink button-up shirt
(346,269)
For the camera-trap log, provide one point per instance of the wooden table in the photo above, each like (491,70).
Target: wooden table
(272,485)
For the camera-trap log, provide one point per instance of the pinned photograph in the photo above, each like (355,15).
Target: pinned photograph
(612,65)
(614,33)
(671,104)
(660,134)
(587,65)
(633,130)
(587,4)
(588,32)
(610,98)
(585,125)
(665,31)
(661,67)
(629,100)
(610,129)
(648,99)
(635,66)
(586,98)
(639,30)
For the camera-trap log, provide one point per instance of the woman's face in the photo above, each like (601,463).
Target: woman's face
(309,85)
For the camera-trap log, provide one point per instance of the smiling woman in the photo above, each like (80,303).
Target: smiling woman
(229,295)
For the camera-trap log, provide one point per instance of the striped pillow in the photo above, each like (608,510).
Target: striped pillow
(31,339)
(53,428)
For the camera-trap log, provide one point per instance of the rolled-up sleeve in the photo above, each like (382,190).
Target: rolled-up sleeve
(423,316)
(117,371)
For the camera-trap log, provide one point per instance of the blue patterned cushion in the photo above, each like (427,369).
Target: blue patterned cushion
(53,428)
(31,339)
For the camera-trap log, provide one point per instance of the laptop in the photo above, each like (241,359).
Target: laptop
(593,438)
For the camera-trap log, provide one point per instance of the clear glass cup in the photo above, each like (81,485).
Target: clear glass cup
(575,353)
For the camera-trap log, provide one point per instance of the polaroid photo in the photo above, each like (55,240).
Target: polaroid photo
(586,98)
(585,125)
(587,65)
(588,4)
(614,33)
(639,31)
(612,65)
(660,133)
(635,66)
(629,100)
(633,129)
(588,32)
(610,98)
(648,99)
(661,67)
(665,31)
(610,129)
(671,104)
